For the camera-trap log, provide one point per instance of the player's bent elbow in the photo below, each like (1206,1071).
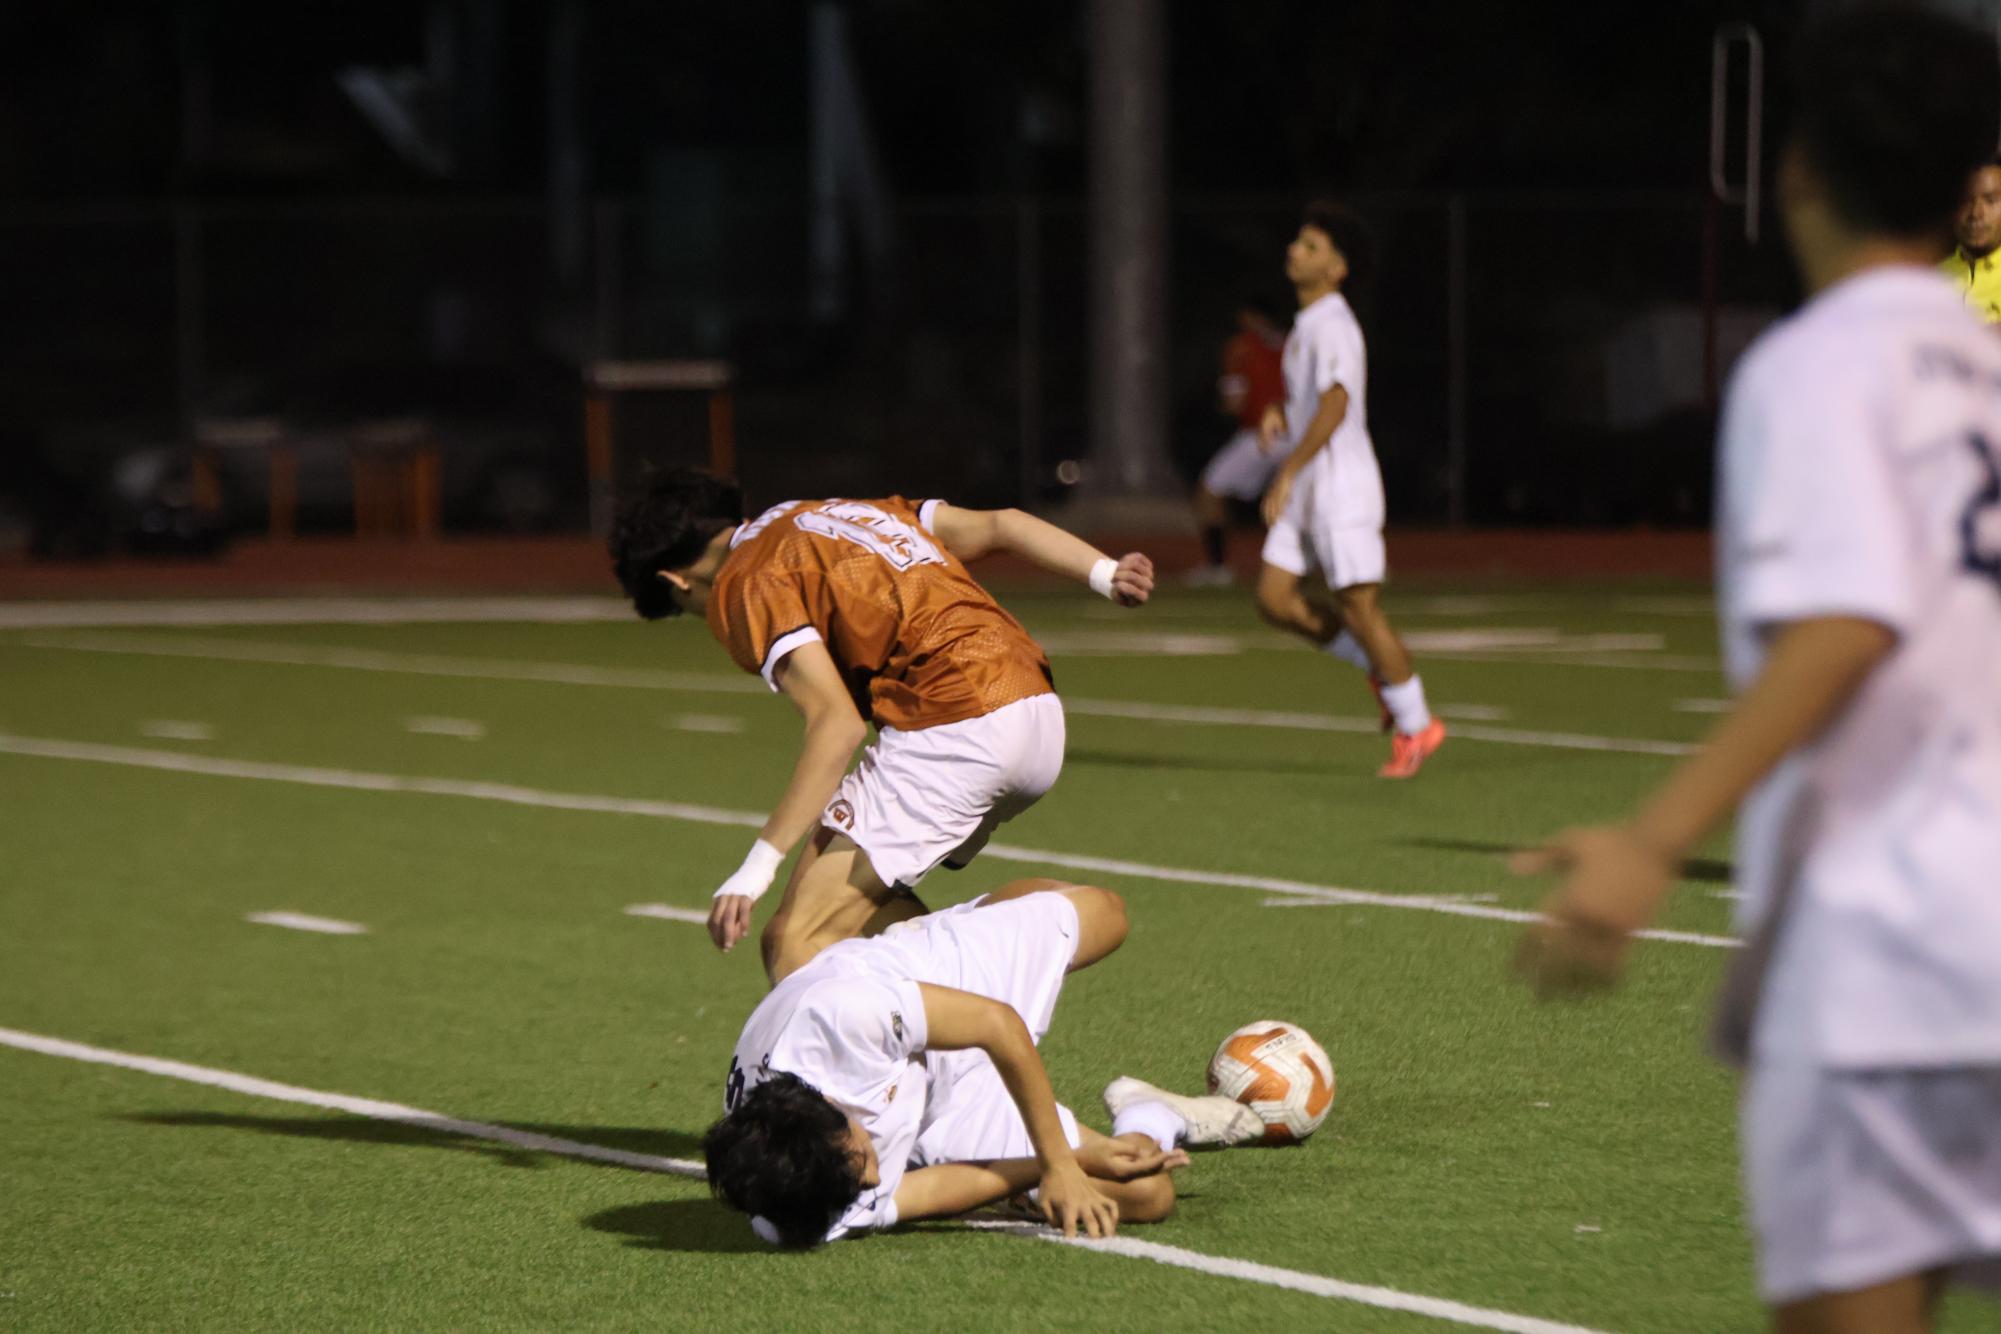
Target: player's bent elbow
(1006,531)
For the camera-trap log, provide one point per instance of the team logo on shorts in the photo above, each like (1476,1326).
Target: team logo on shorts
(841,813)
(896,1023)
(890,1096)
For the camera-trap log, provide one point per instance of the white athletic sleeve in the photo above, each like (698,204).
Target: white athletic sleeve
(1336,358)
(1814,518)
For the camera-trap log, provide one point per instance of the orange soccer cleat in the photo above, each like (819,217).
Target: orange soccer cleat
(1409,750)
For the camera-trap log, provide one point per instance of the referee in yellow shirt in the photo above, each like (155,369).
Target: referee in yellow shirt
(1973,263)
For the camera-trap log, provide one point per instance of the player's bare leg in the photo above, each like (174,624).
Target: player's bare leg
(1212,518)
(1362,613)
(1901,1306)
(1286,602)
(1101,915)
(1144,1199)
(1418,734)
(1284,605)
(834,894)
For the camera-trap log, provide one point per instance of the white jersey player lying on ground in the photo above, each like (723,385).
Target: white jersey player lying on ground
(1325,505)
(896,1078)
(1859,553)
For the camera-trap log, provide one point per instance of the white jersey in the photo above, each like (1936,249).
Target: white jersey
(856,1035)
(1860,475)
(1325,348)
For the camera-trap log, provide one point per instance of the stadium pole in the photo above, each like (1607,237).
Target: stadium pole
(1128,455)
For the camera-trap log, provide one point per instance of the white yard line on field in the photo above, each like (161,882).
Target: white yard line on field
(341,1102)
(1319,1285)
(716,723)
(414,664)
(216,767)
(668,914)
(314,611)
(229,650)
(1320,722)
(465,729)
(1389,1299)
(176,729)
(298,921)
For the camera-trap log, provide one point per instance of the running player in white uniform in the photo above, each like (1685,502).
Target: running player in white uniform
(1325,505)
(896,1078)
(1859,550)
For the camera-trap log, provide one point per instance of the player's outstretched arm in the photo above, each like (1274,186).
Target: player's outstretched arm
(971,534)
(957,1020)
(949,1189)
(808,678)
(1615,877)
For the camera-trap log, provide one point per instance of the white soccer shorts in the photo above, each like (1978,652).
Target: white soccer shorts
(1345,556)
(937,794)
(1241,470)
(1016,952)
(1857,1177)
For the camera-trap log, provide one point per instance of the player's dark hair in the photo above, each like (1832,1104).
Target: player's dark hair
(665,527)
(783,1153)
(1349,234)
(1894,108)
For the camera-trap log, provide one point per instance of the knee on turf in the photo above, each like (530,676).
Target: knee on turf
(1148,1199)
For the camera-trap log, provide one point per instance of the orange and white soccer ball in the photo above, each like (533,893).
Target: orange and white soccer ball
(1278,1071)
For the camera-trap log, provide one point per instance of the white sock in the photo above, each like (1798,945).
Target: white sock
(1348,649)
(1156,1120)
(1407,706)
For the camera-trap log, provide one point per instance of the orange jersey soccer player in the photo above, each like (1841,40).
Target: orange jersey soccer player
(863,609)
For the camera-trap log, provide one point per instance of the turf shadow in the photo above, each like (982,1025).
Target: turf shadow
(1708,870)
(701,1224)
(358,1130)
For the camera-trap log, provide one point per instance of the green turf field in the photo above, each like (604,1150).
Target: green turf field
(1571,1165)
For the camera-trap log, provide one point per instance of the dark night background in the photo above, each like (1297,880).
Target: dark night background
(199,222)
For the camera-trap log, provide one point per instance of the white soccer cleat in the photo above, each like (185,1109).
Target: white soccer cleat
(1214,1119)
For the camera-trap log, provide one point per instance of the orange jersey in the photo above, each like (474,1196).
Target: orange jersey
(918,641)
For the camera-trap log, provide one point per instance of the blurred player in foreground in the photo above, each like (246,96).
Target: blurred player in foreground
(861,609)
(1859,553)
(897,1078)
(1976,233)
(1252,381)
(1325,505)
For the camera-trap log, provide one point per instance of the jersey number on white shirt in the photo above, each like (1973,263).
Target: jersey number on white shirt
(1980,526)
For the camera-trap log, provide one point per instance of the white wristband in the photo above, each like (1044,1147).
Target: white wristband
(754,877)
(1101,576)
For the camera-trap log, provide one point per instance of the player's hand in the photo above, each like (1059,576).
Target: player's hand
(1271,427)
(1071,1202)
(1132,582)
(1612,883)
(1276,495)
(729,919)
(1126,1158)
